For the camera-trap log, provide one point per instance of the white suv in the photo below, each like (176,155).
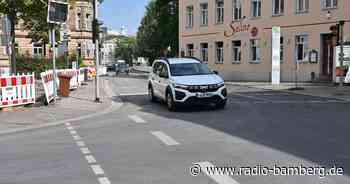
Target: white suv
(179,81)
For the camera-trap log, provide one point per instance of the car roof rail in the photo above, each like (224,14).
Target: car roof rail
(192,57)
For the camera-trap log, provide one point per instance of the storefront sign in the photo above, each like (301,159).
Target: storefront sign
(276,60)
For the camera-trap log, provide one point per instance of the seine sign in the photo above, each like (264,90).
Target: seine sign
(240,28)
(57,11)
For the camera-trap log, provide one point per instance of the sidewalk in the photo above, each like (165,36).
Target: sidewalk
(326,90)
(80,103)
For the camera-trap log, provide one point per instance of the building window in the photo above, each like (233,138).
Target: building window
(204,52)
(301,48)
(204,14)
(282,48)
(189,16)
(236,51)
(256,8)
(277,7)
(190,50)
(237,9)
(327,4)
(255,53)
(219,11)
(302,6)
(38,50)
(78,21)
(219,54)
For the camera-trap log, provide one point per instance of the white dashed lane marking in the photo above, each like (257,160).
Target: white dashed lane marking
(73,132)
(97,169)
(76,137)
(90,159)
(80,143)
(85,151)
(165,138)
(136,119)
(220,179)
(104,180)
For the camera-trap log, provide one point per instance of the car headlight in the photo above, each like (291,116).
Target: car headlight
(181,86)
(220,85)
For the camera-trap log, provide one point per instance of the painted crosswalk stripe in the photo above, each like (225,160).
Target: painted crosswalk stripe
(97,169)
(165,138)
(76,137)
(85,151)
(80,143)
(68,124)
(90,159)
(220,179)
(136,119)
(70,128)
(133,94)
(73,132)
(104,180)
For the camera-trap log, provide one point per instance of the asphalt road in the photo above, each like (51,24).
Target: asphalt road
(144,143)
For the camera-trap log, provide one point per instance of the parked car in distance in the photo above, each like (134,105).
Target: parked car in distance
(121,67)
(185,81)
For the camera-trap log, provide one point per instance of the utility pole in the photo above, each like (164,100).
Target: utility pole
(53,46)
(95,38)
(341,55)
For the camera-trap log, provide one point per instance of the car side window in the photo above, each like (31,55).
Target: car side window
(164,71)
(155,67)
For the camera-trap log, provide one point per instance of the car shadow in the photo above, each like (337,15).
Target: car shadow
(315,132)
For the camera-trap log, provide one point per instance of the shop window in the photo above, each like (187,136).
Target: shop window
(302,6)
(255,52)
(189,16)
(236,51)
(190,50)
(237,10)
(204,52)
(327,4)
(204,14)
(301,48)
(219,11)
(219,54)
(277,7)
(256,8)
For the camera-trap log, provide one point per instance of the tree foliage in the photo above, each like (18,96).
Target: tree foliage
(125,48)
(158,29)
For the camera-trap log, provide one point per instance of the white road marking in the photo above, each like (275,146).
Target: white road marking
(133,94)
(80,143)
(97,169)
(137,119)
(73,132)
(220,179)
(90,159)
(251,97)
(85,151)
(76,137)
(70,128)
(67,124)
(104,180)
(165,138)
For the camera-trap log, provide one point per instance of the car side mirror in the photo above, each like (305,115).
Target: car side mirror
(216,72)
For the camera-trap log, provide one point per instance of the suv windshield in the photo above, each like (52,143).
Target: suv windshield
(184,69)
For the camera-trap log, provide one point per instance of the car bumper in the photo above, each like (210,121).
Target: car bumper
(187,98)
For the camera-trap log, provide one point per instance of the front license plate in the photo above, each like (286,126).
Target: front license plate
(203,95)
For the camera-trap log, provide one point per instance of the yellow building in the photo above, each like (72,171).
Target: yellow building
(235,36)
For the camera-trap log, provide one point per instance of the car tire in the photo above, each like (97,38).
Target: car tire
(221,105)
(170,102)
(151,96)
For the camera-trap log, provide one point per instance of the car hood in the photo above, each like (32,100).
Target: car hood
(198,79)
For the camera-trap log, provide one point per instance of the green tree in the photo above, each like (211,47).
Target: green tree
(158,29)
(125,48)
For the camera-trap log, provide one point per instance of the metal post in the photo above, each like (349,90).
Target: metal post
(97,55)
(53,44)
(341,56)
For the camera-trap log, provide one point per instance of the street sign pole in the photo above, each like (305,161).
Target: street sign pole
(53,46)
(97,54)
(341,43)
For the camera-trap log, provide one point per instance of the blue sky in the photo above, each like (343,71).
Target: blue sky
(118,13)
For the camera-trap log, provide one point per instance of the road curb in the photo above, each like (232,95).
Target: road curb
(112,107)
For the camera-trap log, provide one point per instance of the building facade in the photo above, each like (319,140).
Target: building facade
(235,36)
(79,29)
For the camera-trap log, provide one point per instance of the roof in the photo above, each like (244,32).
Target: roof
(182,60)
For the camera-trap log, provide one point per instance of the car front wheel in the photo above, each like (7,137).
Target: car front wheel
(151,96)
(221,105)
(170,102)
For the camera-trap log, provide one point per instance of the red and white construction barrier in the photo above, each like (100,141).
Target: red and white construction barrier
(17,90)
(47,80)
